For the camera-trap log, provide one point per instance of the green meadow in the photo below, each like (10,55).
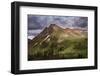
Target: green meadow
(69,48)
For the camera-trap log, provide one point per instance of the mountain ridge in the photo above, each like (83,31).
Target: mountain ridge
(55,33)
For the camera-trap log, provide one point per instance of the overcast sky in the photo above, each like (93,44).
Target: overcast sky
(41,21)
(36,23)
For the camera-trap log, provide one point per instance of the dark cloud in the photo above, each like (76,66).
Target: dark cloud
(41,21)
(33,22)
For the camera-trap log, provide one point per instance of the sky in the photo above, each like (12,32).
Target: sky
(36,23)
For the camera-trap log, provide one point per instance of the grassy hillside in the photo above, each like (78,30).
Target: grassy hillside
(70,48)
(55,42)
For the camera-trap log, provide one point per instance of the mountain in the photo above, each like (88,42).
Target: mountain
(76,32)
(52,36)
(46,33)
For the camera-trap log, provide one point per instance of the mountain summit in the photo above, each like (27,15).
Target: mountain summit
(54,27)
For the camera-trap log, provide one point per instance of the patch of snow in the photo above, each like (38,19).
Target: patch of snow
(31,37)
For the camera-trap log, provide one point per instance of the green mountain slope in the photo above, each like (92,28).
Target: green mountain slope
(55,42)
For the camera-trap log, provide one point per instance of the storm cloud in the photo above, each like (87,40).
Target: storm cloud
(41,21)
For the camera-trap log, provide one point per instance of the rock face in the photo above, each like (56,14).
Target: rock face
(49,36)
